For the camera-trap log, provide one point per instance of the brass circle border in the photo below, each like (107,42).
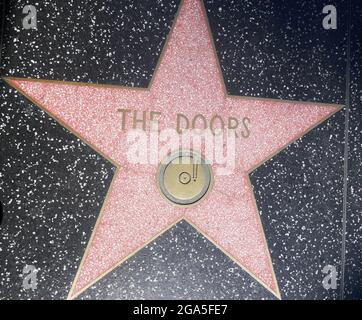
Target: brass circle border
(205,167)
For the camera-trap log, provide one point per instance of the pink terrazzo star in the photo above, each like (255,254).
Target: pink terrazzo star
(187,81)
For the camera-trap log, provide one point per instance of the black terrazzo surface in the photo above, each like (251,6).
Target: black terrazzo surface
(52,187)
(279,49)
(272,49)
(181,264)
(353,281)
(89,41)
(299,195)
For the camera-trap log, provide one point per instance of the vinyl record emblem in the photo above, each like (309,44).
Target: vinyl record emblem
(184,177)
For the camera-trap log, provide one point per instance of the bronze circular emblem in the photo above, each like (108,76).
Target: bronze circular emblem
(184,177)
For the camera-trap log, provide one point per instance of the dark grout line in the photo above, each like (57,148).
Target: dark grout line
(2,6)
(346,149)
